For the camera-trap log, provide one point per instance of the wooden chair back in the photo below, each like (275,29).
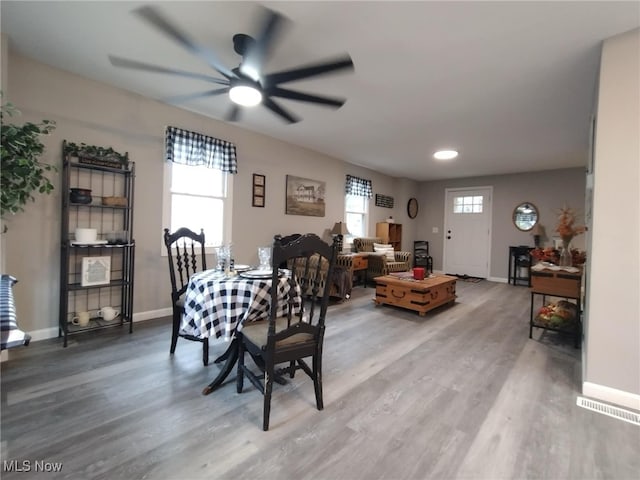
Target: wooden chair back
(186,254)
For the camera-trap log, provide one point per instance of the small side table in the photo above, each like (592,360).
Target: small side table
(519,259)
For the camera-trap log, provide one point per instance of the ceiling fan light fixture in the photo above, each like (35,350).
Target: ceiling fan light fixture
(445,154)
(245,95)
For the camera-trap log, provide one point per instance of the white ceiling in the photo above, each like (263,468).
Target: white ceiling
(509,84)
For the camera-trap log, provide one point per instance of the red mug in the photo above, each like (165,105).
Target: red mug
(418,273)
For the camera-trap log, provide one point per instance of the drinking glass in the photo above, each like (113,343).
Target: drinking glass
(223,256)
(264,255)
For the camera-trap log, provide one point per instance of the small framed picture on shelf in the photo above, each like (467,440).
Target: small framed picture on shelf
(95,271)
(259,191)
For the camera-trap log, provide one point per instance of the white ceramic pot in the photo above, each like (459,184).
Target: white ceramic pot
(108,313)
(86,235)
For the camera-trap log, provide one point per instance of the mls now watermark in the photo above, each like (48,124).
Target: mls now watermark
(31,466)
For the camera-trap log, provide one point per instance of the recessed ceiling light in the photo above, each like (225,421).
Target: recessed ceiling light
(445,154)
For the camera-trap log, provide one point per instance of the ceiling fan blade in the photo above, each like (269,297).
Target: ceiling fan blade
(342,63)
(234,114)
(155,18)
(305,97)
(123,62)
(274,107)
(193,96)
(258,51)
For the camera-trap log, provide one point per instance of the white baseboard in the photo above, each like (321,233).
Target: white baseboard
(611,395)
(151,314)
(52,332)
(498,279)
(43,334)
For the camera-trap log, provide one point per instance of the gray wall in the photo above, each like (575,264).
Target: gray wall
(612,344)
(548,190)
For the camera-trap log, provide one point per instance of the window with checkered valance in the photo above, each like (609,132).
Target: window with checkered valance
(192,148)
(358,186)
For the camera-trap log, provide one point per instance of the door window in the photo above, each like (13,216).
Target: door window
(468,204)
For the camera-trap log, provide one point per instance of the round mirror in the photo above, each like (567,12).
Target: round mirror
(525,216)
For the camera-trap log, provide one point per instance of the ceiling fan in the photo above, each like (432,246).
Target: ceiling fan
(247,84)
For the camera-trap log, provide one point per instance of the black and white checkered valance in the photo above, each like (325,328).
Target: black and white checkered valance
(191,148)
(358,186)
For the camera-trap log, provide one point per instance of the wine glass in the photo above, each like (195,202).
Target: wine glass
(223,255)
(264,255)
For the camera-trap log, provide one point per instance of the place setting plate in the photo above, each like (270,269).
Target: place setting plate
(259,274)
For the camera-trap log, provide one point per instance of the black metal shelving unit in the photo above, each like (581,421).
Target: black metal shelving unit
(117,290)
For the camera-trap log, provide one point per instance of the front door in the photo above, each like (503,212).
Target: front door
(467,231)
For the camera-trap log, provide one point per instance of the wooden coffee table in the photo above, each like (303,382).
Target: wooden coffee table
(418,295)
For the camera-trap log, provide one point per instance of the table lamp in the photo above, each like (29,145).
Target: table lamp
(538,233)
(339,230)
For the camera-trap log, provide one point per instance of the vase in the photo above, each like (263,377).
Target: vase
(566,259)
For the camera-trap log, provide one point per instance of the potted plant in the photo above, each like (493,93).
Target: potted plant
(23,175)
(92,152)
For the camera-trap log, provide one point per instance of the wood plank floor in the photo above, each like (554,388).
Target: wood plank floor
(461,393)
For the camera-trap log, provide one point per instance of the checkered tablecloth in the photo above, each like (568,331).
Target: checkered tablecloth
(215,306)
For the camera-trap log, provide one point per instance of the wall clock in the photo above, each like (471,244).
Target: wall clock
(412,208)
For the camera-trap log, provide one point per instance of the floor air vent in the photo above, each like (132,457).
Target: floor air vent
(615,412)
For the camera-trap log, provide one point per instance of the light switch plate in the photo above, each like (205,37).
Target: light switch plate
(434,230)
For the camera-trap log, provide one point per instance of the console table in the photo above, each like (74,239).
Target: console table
(557,283)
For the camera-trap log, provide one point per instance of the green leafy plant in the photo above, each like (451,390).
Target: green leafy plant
(22,173)
(92,151)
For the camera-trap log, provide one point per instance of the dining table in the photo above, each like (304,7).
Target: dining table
(218,303)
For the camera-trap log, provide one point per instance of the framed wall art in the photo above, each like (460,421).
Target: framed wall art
(384,201)
(95,271)
(305,196)
(258,192)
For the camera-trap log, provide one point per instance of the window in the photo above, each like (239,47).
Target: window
(199,197)
(358,192)
(198,185)
(467,204)
(356,209)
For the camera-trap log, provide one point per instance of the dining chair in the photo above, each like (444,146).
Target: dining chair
(186,254)
(297,335)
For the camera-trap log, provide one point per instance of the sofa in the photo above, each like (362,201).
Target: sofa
(378,263)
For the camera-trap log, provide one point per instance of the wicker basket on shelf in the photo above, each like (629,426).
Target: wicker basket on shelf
(114,201)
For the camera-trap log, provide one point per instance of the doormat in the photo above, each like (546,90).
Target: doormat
(467,278)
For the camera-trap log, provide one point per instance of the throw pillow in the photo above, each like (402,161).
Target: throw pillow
(386,249)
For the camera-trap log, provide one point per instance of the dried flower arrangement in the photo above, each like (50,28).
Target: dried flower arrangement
(552,255)
(566,227)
